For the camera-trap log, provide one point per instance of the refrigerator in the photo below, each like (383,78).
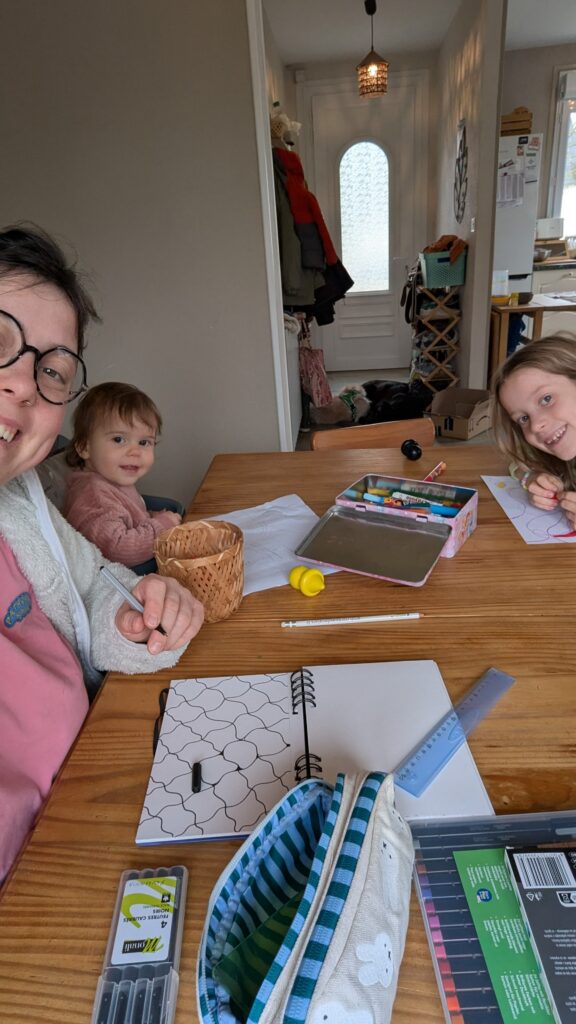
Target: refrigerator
(519,163)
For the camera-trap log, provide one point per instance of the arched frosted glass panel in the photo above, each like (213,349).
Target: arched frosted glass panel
(364,216)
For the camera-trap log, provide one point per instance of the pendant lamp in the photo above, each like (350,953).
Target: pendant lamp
(373,70)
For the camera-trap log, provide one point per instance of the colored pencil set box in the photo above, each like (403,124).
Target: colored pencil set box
(139,982)
(393,528)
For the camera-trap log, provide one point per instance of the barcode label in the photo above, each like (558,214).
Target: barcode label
(543,870)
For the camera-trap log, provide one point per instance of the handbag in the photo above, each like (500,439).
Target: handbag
(313,378)
(307,923)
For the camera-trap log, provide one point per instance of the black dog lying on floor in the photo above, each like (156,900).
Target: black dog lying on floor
(375,401)
(394,400)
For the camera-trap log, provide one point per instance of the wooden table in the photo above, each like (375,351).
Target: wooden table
(498,602)
(500,323)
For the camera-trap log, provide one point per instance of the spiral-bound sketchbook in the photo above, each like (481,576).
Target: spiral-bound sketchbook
(254,737)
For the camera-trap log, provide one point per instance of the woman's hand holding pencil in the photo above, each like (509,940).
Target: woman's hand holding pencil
(158,611)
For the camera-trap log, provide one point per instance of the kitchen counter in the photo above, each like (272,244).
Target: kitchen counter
(555,263)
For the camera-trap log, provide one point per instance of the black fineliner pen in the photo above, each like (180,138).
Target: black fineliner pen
(157,1000)
(132,601)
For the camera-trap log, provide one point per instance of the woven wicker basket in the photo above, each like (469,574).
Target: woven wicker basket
(207,557)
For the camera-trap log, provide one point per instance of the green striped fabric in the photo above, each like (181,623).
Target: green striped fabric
(242,971)
(303,910)
(270,871)
(342,877)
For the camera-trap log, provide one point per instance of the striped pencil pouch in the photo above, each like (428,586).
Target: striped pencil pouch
(307,924)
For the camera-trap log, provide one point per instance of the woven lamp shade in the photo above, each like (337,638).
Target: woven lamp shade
(372,75)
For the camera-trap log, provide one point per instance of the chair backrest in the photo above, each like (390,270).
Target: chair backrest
(375,435)
(54,472)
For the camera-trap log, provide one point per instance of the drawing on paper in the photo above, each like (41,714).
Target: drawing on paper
(534,525)
(239,731)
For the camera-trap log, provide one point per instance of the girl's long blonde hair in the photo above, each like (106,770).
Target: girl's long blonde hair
(554,354)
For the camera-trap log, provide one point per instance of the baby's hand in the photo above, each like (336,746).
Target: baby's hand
(544,490)
(170,518)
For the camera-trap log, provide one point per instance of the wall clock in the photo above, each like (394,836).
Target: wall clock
(461,173)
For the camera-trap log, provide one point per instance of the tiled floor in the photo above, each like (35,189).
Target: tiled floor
(338,379)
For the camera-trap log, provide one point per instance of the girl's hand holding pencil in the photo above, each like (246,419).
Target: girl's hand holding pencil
(545,490)
(567,502)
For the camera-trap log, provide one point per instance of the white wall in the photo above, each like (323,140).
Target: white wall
(529,80)
(128,129)
(279,80)
(469,80)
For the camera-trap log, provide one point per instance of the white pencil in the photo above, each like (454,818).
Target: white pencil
(132,601)
(352,619)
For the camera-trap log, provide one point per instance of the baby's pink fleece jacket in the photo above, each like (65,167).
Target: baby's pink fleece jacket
(113,517)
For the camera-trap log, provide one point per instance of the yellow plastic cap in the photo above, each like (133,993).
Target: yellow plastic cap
(308,581)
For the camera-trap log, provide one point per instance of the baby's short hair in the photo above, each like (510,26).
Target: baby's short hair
(109,399)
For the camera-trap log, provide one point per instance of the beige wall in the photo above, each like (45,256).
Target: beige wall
(280,85)
(469,77)
(529,80)
(128,129)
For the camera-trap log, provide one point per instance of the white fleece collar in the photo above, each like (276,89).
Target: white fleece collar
(78,610)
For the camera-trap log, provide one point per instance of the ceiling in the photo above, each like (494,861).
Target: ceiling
(306,31)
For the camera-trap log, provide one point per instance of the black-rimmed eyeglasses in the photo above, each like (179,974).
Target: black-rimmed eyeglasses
(59,373)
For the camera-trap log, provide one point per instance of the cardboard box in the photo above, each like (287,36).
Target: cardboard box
(461,412)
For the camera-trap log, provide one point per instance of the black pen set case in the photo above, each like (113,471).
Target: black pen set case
(139,983)
(400,545)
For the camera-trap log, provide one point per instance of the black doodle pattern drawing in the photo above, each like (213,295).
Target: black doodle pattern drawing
(241,731)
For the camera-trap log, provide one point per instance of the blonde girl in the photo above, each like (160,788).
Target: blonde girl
(535,420)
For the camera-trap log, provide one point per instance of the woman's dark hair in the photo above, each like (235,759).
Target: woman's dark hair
(27,249)
(105,400)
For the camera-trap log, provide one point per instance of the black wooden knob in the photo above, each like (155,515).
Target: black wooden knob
(411,449)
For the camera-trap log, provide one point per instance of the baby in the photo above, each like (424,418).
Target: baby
(115,432)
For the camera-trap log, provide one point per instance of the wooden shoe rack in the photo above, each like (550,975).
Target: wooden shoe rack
(435,338)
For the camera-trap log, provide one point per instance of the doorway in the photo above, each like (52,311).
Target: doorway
(369,329)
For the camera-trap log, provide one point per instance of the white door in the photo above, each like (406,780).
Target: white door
(369,331)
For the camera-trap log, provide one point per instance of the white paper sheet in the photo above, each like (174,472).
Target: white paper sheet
(533,525)
(272,532)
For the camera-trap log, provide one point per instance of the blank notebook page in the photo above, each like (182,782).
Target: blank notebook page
(372,715)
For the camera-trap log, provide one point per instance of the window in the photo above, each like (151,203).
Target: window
(563,168)
(364,195)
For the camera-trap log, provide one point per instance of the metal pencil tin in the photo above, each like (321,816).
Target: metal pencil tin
(401,545)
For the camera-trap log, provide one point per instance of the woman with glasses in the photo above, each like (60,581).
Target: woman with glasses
(61,624)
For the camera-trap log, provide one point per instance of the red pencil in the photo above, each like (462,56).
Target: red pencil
(437,471)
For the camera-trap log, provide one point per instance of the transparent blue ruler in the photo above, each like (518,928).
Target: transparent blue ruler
(417,770)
